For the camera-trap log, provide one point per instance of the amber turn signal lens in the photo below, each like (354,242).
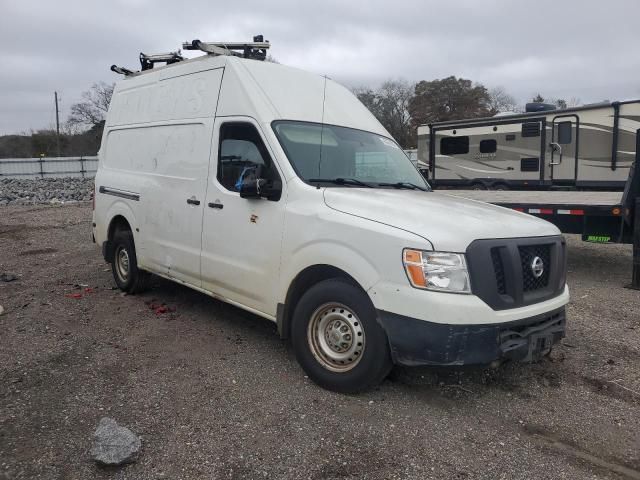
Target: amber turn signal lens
(413,256)
(413,266)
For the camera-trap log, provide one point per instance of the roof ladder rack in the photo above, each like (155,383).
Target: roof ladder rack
(256,50)
(148,61)
(121,70)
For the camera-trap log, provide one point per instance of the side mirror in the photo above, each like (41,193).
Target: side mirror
(251,185)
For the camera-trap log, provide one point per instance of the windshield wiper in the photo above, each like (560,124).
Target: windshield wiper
(407,185)
(340,181)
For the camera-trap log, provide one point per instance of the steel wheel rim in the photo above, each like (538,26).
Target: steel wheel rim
(336,337)
(122,264)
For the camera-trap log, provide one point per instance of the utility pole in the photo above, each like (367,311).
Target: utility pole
(57,124)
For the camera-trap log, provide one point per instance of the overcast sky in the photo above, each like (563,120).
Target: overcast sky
(561,48)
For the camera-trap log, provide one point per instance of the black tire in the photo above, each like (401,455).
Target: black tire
(500,187)
(478,186)
(374,362)
(135,280)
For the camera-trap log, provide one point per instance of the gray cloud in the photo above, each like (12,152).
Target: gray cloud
(571,48)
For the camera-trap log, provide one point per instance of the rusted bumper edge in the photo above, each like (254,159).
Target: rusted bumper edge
(417,342)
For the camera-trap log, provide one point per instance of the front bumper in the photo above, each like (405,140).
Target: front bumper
(419,342)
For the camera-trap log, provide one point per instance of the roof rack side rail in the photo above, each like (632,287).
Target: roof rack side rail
(148,61)
(256,50)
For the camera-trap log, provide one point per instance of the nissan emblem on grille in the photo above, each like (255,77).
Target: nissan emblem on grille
(537,267)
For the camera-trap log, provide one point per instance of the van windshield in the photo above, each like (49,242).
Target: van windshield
(343,156)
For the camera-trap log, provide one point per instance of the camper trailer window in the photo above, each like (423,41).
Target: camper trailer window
(531,129)
(240,148)
(488,146)
(454,145)
(564,132)
(531,164)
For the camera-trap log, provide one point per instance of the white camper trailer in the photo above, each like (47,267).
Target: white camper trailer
(590,147)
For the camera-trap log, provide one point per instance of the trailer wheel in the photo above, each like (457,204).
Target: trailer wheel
(337,339)
(478,186)
(500,186)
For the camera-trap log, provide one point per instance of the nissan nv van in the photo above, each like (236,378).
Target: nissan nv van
(277,191)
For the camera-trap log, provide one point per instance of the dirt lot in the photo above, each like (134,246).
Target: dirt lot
(214,393)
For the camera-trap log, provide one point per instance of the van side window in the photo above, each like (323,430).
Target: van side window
(240,148)
(564,132)
(454,145)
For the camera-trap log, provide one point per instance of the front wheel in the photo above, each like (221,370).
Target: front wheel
(337,340)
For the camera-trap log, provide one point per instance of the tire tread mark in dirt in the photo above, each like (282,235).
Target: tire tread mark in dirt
(554,443)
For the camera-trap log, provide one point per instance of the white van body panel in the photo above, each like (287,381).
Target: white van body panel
(316,235)
(436,217)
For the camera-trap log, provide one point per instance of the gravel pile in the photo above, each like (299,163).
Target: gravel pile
(45,190)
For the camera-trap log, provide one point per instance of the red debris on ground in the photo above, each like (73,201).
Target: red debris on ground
(73,295)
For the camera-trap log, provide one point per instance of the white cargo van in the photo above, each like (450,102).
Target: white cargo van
(277,191)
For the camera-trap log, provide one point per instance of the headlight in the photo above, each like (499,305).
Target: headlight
(441,271)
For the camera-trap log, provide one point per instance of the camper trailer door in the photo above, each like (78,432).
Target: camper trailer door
(564,149)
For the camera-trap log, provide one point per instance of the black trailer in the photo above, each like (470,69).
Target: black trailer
(600,217)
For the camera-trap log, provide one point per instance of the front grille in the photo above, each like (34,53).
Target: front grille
(501,274)
(498,268)
(527,254)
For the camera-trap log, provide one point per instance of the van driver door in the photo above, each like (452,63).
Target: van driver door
(564,149)
(241,237)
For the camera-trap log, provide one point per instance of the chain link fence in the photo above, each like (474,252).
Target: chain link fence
(48,167)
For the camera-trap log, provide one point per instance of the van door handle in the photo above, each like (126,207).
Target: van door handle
(193,201)
(219,206)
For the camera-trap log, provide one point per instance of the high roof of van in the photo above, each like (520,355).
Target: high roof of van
(266,91)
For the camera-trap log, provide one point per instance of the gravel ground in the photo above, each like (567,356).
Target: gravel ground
(44,190)
(214,393)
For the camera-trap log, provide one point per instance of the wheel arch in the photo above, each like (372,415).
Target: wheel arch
(119,218)
(305,279)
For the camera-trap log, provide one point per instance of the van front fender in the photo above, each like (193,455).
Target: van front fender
(330,253)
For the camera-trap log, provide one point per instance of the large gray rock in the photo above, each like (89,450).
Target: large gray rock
(114,445)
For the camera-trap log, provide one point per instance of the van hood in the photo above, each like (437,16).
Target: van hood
(449,223)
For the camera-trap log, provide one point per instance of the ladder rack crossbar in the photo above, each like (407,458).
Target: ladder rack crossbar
(227,45)
(256,50)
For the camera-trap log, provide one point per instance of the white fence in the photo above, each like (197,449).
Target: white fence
(48,167)
(52,167)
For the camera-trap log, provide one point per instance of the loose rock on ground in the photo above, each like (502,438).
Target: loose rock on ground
(114,445)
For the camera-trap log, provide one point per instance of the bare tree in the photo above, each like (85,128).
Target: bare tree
(390,105)
(574,102)
(92,110)
(560,103)
(501,101)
